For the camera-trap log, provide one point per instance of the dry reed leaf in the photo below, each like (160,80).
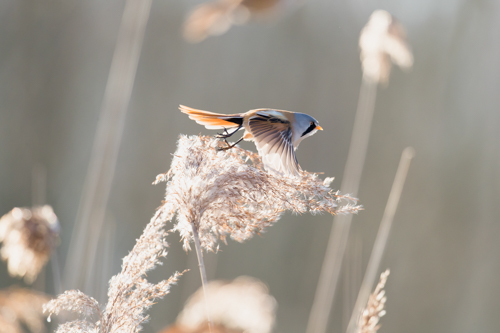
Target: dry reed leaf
(368,322)
(382,40)
(224,196)
(28,237)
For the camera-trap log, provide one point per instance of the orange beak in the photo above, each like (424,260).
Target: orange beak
(319,128)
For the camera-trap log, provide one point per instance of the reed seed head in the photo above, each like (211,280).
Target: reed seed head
(368,322)
(209,19)
(224,196)
(130,294)
(382,41)
(216,17)
(28,237)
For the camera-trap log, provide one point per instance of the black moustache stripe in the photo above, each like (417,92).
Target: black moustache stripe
(309,129)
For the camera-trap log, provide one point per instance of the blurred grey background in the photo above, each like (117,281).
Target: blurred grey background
(444,247)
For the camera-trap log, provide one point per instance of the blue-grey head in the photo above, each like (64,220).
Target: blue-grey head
(303,127)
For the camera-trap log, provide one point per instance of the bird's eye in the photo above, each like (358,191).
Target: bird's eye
(312,126)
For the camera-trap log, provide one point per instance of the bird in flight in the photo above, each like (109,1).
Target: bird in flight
(276,133)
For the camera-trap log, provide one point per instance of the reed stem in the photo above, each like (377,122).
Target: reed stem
(100,172)
(332,262)
(381,239)
(203,272)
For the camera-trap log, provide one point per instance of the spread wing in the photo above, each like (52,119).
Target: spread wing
(273,138)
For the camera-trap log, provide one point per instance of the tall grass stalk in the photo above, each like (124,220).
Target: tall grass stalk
(97,186)
(351,276)
(382,236)
(38,185)
(56,272)
(203,273)
(38,199)
(382,42)
(107,257)
(332,262)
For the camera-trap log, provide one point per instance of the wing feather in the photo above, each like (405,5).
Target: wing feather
(273,138)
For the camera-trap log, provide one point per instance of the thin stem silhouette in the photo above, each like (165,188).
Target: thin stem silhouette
(100,173)
(330,271)
(382,236)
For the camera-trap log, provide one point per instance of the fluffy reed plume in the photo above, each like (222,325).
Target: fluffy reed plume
(216,17)
(382,40)
(129,294)
(241,305)
(20,306)
(221,195)
(28,236)
(368,322)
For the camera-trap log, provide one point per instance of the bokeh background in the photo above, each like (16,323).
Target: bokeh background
(444,247)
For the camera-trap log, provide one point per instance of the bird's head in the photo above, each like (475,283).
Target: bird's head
(305,126)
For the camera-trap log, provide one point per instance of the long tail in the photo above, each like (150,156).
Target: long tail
(213,120)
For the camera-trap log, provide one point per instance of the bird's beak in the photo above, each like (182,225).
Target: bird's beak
(319,128)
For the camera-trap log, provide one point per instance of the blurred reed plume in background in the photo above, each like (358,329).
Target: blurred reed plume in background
(129,293)
(382,41)
(216,17)
(21,307)
(368,322)
(221,195)
(241,305)
(28,236)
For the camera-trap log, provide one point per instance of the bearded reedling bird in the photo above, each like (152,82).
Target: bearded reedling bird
(276,133)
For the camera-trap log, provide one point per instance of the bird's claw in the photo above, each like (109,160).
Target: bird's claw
(223,148)
(229,146)
(224,136)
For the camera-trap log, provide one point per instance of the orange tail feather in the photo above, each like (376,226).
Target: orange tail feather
(212,120)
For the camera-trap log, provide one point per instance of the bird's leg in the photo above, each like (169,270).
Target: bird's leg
(228,145)
(224,136)
(227,135)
